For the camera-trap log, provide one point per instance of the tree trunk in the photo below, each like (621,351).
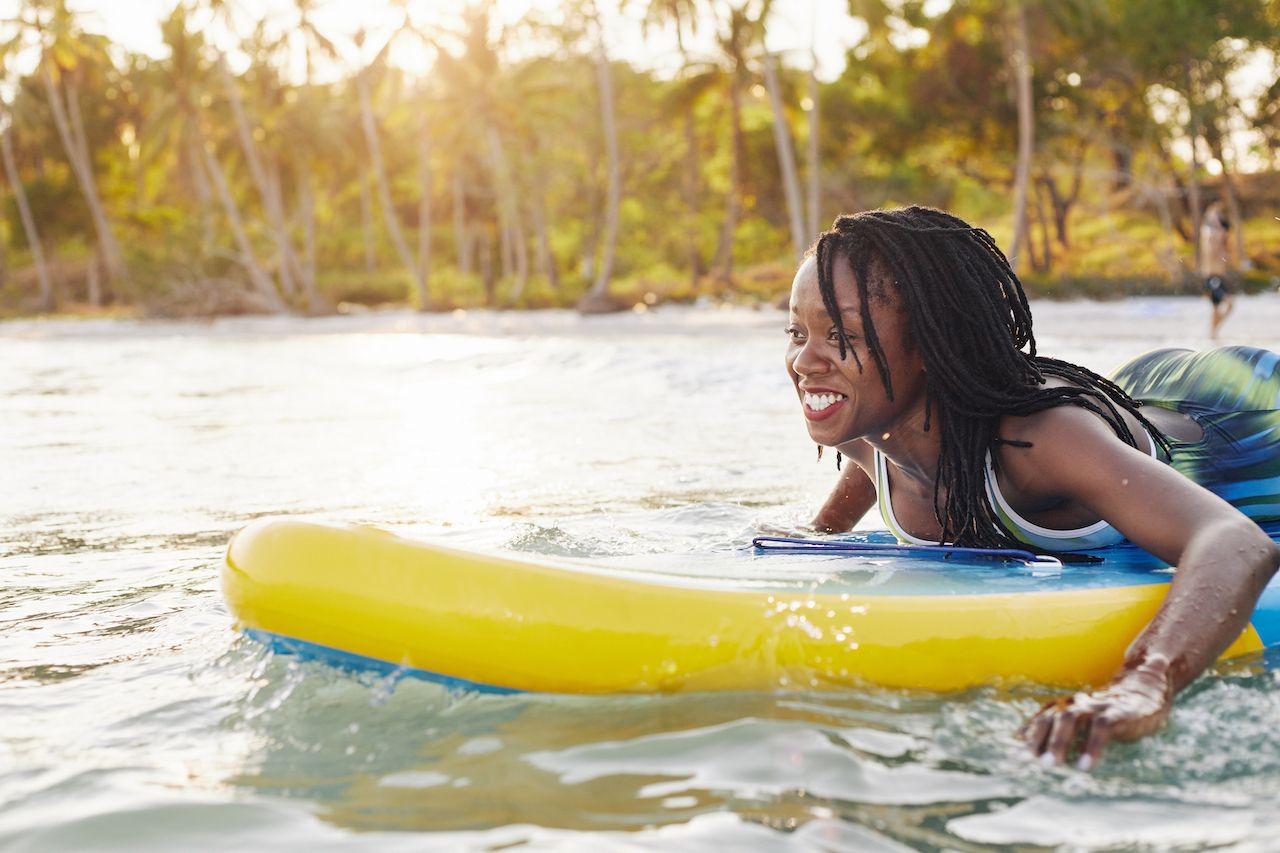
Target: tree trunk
(384,188)
(28,221)
(486,267)
(1061,205)
(1230,195)
(1020,64)
(424,220)
(307,208)
(546,258)
(93,279)
(257,275)
(508,212)
(461,237)
(1121,157)
(689,189)
(286,257)
(1061,212)
(1046,248)
(1181,192)
(724,251)
(522,257)
(78,156)
(268,190)
(1193,177)
(204,194)
(815,165)
(366,223)
(786,157)
(587,261)
(1167,253)
(613,200)
(506,257)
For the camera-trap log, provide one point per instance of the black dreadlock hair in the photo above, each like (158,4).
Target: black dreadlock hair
(969,317)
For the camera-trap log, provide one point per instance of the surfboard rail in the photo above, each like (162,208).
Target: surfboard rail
(499,621)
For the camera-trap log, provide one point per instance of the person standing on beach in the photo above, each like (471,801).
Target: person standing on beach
(1214,247)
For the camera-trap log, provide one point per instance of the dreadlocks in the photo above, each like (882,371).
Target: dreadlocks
(970,320)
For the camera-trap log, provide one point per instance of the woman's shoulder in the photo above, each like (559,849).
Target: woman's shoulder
(1045,425)
(1065,425)
(1041,451)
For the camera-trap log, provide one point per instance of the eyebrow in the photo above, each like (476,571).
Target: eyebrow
(850,310)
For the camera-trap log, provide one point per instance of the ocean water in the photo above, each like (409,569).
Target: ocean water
(132,717)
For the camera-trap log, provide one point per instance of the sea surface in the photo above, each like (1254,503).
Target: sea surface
(133,717)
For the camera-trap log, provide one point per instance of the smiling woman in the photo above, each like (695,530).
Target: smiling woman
(964,435)
(828,386)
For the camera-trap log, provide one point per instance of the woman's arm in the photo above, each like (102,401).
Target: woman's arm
(1224,560)
(852,496)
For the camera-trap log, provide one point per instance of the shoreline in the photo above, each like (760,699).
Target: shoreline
(1168,320)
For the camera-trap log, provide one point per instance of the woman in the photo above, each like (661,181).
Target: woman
(912,353)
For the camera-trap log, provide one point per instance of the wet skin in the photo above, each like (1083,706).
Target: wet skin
(1224,560)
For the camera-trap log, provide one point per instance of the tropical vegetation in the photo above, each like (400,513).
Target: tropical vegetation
(529,166)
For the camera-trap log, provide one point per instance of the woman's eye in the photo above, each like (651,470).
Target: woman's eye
(794,333)
(834,337)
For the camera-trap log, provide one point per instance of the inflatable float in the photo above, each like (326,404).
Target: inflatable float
(782,615)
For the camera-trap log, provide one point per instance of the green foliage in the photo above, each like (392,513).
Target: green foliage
(514,143)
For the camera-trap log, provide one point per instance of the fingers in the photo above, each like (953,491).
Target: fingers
(1060,724)
(1035,732)
(1126,710)
(1066,725)
(1100,730)
(1037,729)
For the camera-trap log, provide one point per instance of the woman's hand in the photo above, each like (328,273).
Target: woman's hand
(1134,705)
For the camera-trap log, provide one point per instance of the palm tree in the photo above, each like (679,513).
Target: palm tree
(743,32)
(24,211)
(263,169)
(188,74)
(63,50)
(815,164)
(609,124)
(483,103)
(1020,63)
(786,156)
(313,41)
(694,82)
(7,123)
(369,124)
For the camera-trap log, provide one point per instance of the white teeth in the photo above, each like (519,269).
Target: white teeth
(818,402)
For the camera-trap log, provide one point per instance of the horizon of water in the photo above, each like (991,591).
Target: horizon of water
(132,717)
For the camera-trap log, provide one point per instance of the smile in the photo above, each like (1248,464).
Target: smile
(818,402)
(818,406)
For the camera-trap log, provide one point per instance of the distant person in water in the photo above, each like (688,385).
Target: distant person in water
(911,349)
(1215,247)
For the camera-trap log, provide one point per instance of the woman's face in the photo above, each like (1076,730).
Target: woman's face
(842,402)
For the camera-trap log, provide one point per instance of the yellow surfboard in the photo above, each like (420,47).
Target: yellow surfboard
(500,621)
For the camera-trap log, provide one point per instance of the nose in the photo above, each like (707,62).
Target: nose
(809,359)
